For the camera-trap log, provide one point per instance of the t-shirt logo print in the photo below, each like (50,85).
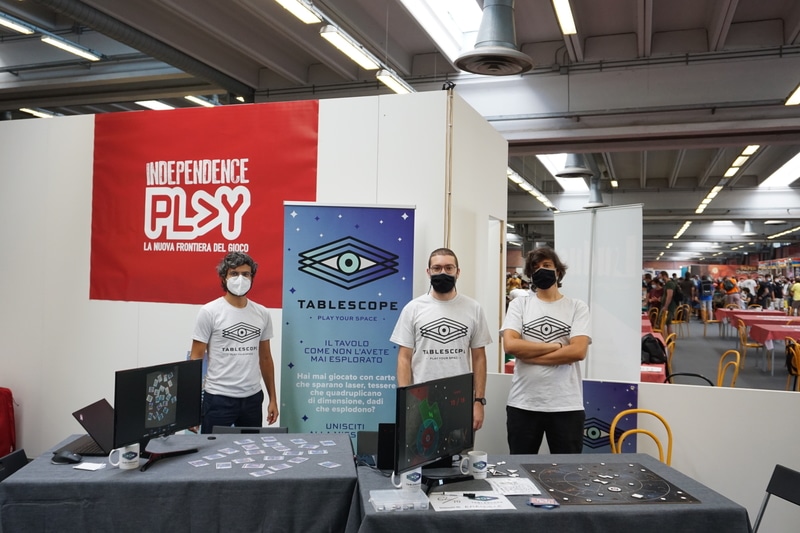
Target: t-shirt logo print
(241,332)
(546,329)
(444,330)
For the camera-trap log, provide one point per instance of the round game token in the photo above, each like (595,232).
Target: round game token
(614,489)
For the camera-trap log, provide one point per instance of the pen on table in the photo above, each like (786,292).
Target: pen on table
(469,495)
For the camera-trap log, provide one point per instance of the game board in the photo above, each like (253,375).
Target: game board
(604,483)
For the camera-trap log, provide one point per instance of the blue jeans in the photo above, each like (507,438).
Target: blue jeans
(221,410)
(526,428)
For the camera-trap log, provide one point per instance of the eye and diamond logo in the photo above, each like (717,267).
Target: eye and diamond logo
(444,330)
(546,329)
(348,263)
(414,476)
(241,332)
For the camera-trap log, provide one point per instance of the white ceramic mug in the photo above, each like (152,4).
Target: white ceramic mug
(411,480)
(128,457)
(475,463)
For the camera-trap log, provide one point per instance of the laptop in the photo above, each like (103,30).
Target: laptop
(98,421)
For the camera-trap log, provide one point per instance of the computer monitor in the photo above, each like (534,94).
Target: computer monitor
(433,422)
(156,401)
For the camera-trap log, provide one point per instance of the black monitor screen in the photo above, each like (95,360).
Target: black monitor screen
(156,400)
(434,421)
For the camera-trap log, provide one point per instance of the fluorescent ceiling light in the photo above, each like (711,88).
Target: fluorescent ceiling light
(794,98)
(37,112)
(302,10)
(751,149)
(741,160)
(614,183)
(722,223)
(154,105)
(785,175)
(348,47)
(451,24)
(394,82)
(731,172)
(200,101)
(564,16)
(72,48)
(774,222)
(554,163)
(14,24)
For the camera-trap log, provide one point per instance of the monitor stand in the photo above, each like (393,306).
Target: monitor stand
(442,472)
(169,446)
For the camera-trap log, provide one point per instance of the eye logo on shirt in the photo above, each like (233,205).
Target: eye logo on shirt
(546,329)
(444,330)
(241,332)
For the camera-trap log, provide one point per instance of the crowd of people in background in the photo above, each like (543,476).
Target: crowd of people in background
(702,292)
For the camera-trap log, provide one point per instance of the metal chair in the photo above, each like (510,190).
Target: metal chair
(707,321)
(729,359)
(681,319)
(616,443)
(669,377)
(792,364)
(669,344)
(652,315)
(785,484)
(12,462)
(240,429)
(744,344)
(661,327)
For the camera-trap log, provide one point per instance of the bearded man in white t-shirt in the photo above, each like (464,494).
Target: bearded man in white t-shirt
(234,333)
(443,333)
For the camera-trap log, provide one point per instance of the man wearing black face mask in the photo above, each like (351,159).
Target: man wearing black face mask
(549,334)
(443,333)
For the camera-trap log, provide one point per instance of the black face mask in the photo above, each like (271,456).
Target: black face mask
(544,278)
(443,283)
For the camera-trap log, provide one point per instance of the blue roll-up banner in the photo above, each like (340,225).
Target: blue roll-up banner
(347,273)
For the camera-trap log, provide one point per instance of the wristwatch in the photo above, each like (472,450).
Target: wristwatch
(481,401)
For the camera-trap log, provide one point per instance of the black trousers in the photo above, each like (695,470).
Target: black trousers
(564,430)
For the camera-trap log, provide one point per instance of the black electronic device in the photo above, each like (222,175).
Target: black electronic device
(156,401)
(433,421)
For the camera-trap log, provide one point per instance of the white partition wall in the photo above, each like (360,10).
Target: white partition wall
(60,349)
(603,251)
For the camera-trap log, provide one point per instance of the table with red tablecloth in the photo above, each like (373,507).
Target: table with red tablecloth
(730,316)
(767,333)
(752,319)
(647,327)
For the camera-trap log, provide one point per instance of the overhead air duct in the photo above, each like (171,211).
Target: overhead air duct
(595,197)
(574,167)
(495,52)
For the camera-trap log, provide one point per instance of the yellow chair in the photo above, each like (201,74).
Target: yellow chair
(681,319)
(707,321)
(662,323)
(652,314)
(616,445)
(729,359)
(793,349)
(754,306)
(744,344)
(669,344)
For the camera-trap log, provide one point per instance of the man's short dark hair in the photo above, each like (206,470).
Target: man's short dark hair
(442,251)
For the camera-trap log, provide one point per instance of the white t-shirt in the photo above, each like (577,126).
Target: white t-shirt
(547,388)
(516,293)
(233,336)
(441,335)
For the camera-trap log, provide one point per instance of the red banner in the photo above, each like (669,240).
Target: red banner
(174,191)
